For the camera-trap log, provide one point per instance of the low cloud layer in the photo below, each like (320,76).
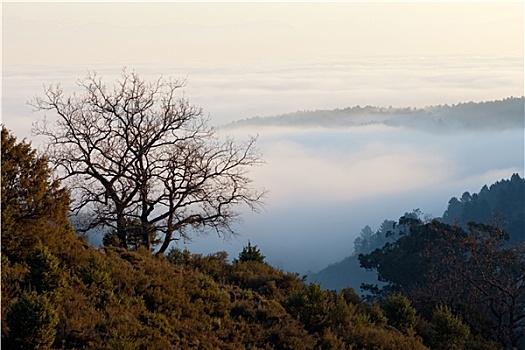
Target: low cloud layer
(326,184)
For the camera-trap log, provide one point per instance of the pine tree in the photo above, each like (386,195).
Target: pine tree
(399,313)
(448,331)
(251,253)
(44,273)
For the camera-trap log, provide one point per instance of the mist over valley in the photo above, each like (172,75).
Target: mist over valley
(346,158)
(331,172)
(335,166)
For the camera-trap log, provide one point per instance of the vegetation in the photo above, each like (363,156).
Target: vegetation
(448,331)
(473,272)
(502,204)
(143,161)
(440,119)
(250,253)
(34,207)
(465,279)
(60,293)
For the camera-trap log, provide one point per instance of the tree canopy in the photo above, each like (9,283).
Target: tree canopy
(471,270)
(139,153)
(34,206)
(502,204)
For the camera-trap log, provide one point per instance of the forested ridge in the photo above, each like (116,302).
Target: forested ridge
(472,260)
(441,118)
(501,203)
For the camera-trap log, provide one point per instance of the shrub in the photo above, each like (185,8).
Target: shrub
(31,321)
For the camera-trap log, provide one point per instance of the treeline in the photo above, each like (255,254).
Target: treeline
(502,204)
(490,115)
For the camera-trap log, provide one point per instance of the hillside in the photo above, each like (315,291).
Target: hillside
(501,114)
(501,203)
(60,293)
(343,274)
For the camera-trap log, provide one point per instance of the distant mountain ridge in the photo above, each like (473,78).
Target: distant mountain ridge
(499,114)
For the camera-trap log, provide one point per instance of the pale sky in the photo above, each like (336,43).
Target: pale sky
(55,33)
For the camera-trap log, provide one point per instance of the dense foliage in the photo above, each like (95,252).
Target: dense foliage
(502,204)
(474,272)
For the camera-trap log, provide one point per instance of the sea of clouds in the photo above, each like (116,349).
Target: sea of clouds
(325,184)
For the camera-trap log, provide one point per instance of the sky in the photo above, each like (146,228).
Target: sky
(256,47)
(131,33)
(244,59)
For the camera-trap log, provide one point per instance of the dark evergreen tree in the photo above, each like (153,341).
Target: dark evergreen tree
(364,242)
(250,253)
(448,331)
(502,204)
(45,274)
(399,313)
(31,321)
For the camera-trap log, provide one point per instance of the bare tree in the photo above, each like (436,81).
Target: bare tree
(140,153)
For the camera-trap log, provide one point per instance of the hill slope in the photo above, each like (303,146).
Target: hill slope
(502,201)
(500,114)
(60,293)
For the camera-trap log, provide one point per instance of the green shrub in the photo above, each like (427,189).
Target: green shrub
(448,331)
(399,313)
(250,253)
(45,274)
(31,321)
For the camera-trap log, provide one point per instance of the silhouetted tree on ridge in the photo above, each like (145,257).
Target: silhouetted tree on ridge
(138,152)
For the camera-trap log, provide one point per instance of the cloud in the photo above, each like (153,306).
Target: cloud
(326,184)
(325,173)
